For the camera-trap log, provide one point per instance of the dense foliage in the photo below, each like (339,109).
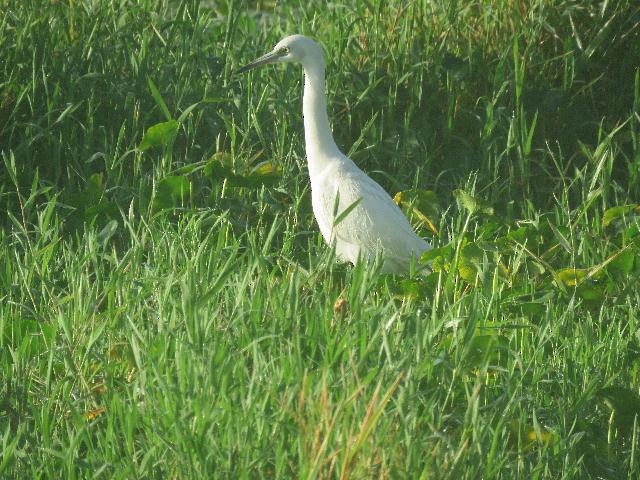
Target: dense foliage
(168,308)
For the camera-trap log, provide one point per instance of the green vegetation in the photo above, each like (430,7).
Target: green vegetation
(168,308)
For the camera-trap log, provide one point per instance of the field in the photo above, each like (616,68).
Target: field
(168,308)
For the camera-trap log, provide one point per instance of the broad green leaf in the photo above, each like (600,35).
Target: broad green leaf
(217,170)
(470,263)
(616,212)
(159,135)
(598,271)
(465,200)
(434,253)
(591,292)
(439,258)
(411,288)
(472,253)
(267,168)
(468,271)
(571,277)
(470,203)
(623,262)
(172,191)
(264,174)
(579,279)
(522,235)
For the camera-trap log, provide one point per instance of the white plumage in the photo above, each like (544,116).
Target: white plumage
(375,224)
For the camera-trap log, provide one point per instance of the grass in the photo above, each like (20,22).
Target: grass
(168,308)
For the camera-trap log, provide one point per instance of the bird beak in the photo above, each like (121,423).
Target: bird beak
(270,57)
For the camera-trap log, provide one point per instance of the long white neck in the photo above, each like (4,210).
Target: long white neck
(320,146)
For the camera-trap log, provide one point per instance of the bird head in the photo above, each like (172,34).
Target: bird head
(291,49)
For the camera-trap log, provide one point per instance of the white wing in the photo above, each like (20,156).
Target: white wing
(376,224)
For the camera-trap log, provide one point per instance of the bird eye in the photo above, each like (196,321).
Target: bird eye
(284,50)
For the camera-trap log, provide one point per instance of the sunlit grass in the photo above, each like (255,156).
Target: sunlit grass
(168,308)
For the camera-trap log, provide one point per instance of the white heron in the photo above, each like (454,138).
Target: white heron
(351,209)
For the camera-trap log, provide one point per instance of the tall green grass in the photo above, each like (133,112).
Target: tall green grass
(168,308)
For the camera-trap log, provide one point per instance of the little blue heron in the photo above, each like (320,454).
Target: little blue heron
(351,209)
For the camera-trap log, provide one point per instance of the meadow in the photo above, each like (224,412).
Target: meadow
(168,308)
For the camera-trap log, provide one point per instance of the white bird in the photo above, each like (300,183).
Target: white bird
(351,209)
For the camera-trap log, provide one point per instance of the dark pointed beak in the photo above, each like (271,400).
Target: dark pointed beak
(270,57)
